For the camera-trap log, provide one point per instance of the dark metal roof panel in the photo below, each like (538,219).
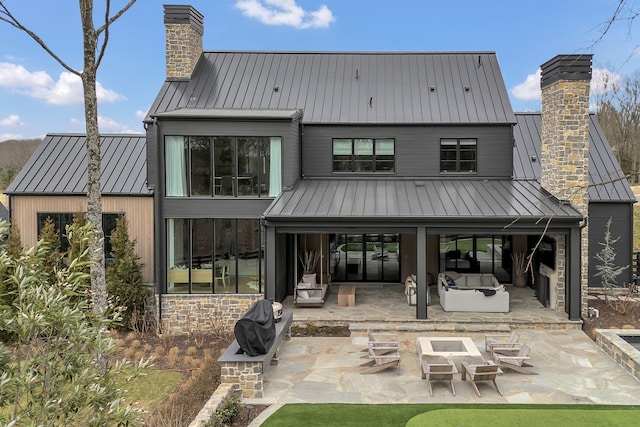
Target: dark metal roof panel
(59,166)
(606,179)
(348,87)
(411,199)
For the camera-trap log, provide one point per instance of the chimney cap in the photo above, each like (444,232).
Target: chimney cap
(183,14)
(566,67)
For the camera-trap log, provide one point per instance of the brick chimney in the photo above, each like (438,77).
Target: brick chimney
(184,29)
(564,162)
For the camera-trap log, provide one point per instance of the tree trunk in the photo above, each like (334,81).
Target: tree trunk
(94,202)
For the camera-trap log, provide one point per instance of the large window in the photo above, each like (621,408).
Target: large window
(214,256)
(458,155)
(225,166)
(363,155)
(62,219)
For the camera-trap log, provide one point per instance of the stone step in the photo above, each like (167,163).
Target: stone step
(363,327)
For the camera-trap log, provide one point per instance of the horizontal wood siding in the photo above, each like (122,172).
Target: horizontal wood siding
(137,210)
(417,148)
(621,215)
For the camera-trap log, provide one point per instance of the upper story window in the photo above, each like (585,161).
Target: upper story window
(363,155)
(205,166)
(458,155)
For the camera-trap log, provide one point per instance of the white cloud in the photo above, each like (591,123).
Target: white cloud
(286,12)
(10,136)
(141,114)
(12,120)
(106,125)
(601,81)
(67,90)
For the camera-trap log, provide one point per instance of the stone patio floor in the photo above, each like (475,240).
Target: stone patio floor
(570,368)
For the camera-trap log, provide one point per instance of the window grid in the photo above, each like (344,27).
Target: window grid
(363,155)
(458,155)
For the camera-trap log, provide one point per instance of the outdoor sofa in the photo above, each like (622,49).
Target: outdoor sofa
(472,292)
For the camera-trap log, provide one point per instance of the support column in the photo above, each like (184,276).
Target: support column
(573,274)
(421,273)
(270,262)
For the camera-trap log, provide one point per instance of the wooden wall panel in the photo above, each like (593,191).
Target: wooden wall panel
(138,211)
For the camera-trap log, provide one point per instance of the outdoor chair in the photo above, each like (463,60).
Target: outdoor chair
(382,343)
(514,359)
(439,372)
(484,372)
(380,360)
(502,340)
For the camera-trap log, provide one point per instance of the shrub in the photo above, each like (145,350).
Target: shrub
(124,276)
(229,409)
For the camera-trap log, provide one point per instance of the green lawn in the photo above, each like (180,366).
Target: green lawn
(437,415)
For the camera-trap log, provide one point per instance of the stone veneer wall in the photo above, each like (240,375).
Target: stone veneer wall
(623,353)
(565,157)
(183,47)
(183,313)
(561,265)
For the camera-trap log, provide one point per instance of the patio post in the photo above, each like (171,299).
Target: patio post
(421,273)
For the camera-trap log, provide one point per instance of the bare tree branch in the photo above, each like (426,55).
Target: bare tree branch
(7,16)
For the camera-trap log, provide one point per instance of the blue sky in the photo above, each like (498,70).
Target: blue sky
(38,96)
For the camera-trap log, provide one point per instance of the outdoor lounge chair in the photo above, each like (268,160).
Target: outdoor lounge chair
(379,253)
(510,358)
(484,372)
(502,340)
(380,361)
(438,372)
(382,343)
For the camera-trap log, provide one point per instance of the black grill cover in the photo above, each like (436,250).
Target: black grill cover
(256,330)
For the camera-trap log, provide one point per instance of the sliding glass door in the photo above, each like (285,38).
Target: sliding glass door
(365,258)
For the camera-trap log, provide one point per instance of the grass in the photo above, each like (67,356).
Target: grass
(161,382)
(435,415)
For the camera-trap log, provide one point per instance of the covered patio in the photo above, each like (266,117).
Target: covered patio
(385,307)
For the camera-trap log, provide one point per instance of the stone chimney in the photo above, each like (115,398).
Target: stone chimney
(564,162)
(184,29)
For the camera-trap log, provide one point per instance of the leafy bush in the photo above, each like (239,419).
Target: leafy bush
(229,409)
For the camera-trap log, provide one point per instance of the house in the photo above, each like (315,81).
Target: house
(52,184)
(256,157)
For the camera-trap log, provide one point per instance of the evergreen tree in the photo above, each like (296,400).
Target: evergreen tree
(607,270)
(124,276)
(51,236)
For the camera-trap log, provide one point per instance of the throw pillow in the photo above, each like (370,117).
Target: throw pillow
(449,280)
(304,285)
(303,294)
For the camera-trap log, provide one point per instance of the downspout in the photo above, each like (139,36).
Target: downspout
(157,220)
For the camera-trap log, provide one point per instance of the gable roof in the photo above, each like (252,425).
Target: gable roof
(347,87)
(59,166)
(606,179)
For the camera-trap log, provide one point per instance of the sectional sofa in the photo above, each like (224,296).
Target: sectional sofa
(472,292)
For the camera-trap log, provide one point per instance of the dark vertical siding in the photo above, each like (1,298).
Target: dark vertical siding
(291,154)
(152,156)
(417,148)
(621,215)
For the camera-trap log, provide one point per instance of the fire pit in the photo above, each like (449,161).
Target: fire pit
(457,349)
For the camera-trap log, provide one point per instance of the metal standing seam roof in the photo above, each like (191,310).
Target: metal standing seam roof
(348,87)
(607,182)
(395,199)
(59,166)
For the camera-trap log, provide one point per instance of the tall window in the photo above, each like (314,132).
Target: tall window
(363,155)
(219,255)
(458,155)
(62,219)
(225,166)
